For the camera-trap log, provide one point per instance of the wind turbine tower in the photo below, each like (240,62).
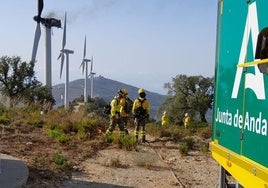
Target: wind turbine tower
(65,52)
(84,65)
(91,78)
(48,23)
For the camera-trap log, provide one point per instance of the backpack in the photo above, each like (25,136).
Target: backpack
(128,105)
(107,109)
(140,112)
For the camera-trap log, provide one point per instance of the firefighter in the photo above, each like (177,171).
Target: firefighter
(186,120)
(124,114)
(141,112)
(164,120)
(115,115)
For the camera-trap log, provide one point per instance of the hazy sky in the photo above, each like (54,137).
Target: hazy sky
(143,43)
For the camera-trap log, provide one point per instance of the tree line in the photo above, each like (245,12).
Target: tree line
(185,94)
(188,94)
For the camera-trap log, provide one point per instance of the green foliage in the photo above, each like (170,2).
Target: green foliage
(205,132)
(175,132)
(60,159)
(66,126)
(4,120)
(96,105)
(128,142)
(189,142)
(36,122)
(15,77)
(33,117)
(204,147)
(19,84)
(82,134)
(183,149)
(41,95)
(2,109)
(152,129)
(59,135)
(84,127)
(109,138)
(193,94)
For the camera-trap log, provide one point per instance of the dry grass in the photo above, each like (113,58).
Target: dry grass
(145,159)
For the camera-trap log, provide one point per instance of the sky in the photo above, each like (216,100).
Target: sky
(143,43)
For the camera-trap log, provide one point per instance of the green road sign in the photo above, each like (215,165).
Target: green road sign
(240,113)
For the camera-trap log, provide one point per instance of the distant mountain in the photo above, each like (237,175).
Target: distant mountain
(104,88)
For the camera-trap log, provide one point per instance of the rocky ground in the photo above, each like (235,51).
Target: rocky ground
(157,163)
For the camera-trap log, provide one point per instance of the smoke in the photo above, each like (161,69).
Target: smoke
(91,10)
(51,15)
(84,12)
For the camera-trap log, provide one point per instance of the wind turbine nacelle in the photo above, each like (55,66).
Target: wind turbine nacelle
(91,74)
(51,22)
(67,51)
(37,19)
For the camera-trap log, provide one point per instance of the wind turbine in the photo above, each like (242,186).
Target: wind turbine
(48,23)
(65,52)
(91,77)
(84,65)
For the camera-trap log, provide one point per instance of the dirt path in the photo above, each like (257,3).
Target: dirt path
(154,164)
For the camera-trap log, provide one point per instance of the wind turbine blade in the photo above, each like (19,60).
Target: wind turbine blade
(36,41)
(91,68)
(64,32)
(62,62)
(83,66)
(59,56)
(85,47)
(40,5)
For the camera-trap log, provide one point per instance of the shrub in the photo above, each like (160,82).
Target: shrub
(189,142)
(173,131)
(205,132)
(183,149)
(4,120)
(144,159)
(59,135)
(60,160)
(165,132)
(36,122)
(152,129)
(115,163)
(108,138)
(66,126)
(82,134)
(128,142)
(204,147)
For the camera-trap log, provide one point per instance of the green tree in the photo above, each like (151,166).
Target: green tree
(41,94)
(96,105)
(193,94)
(18,82)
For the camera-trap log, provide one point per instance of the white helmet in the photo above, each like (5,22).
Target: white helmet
(186,114)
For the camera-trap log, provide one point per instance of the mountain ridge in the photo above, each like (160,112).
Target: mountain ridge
(104,88)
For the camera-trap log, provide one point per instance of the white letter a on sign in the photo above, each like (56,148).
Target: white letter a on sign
(252,81)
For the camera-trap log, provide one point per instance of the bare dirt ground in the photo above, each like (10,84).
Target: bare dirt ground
(157,163)
(154,164)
